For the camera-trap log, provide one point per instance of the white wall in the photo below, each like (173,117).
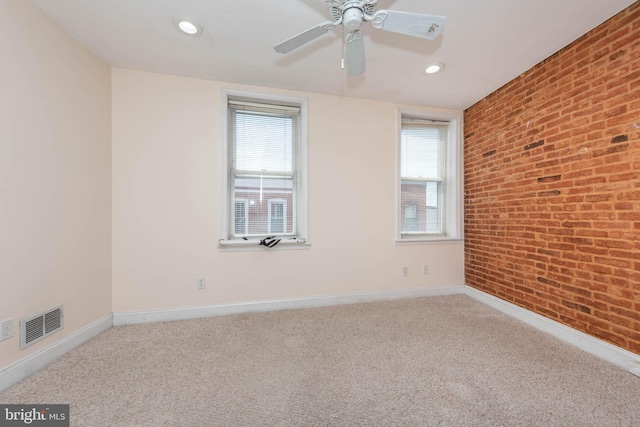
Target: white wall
(55,177)
(166,203)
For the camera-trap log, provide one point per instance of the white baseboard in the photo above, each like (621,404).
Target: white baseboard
(164,315)
(595,346)
(22,369)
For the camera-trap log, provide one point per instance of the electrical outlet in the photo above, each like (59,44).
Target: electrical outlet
(425,269)
(405,271)
(634,368)
(202,283)
(6,329)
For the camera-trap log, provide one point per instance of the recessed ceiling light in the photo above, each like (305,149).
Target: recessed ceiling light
(433,68)
(187,27)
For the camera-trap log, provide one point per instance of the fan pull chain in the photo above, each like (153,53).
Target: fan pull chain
(343,49)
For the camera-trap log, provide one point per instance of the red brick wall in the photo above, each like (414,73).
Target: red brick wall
(552,182)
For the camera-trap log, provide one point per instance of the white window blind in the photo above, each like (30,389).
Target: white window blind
(422,176)
(263,169)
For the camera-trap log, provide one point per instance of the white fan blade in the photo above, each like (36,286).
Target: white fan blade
(356,62)
(411,24)
(304,37)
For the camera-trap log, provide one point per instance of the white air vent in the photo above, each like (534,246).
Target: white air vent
(37,327)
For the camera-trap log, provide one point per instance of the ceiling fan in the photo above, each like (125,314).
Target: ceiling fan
(351,14)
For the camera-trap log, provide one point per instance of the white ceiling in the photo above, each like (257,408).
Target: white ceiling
(485,43)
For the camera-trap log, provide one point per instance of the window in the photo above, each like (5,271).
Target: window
(265,170)
(411,221)
(240,217)
(277,216)
(429,181)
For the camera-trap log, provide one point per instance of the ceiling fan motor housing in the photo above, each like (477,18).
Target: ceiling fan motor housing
(352,17)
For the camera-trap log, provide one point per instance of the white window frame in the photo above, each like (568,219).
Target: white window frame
(271,202)
(301,240)
(453,206)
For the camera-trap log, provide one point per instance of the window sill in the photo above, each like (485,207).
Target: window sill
(254,245)
(430,241)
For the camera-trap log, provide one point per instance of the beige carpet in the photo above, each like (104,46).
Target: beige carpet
(445,361)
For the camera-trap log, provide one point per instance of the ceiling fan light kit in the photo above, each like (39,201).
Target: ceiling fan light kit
(352,14)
